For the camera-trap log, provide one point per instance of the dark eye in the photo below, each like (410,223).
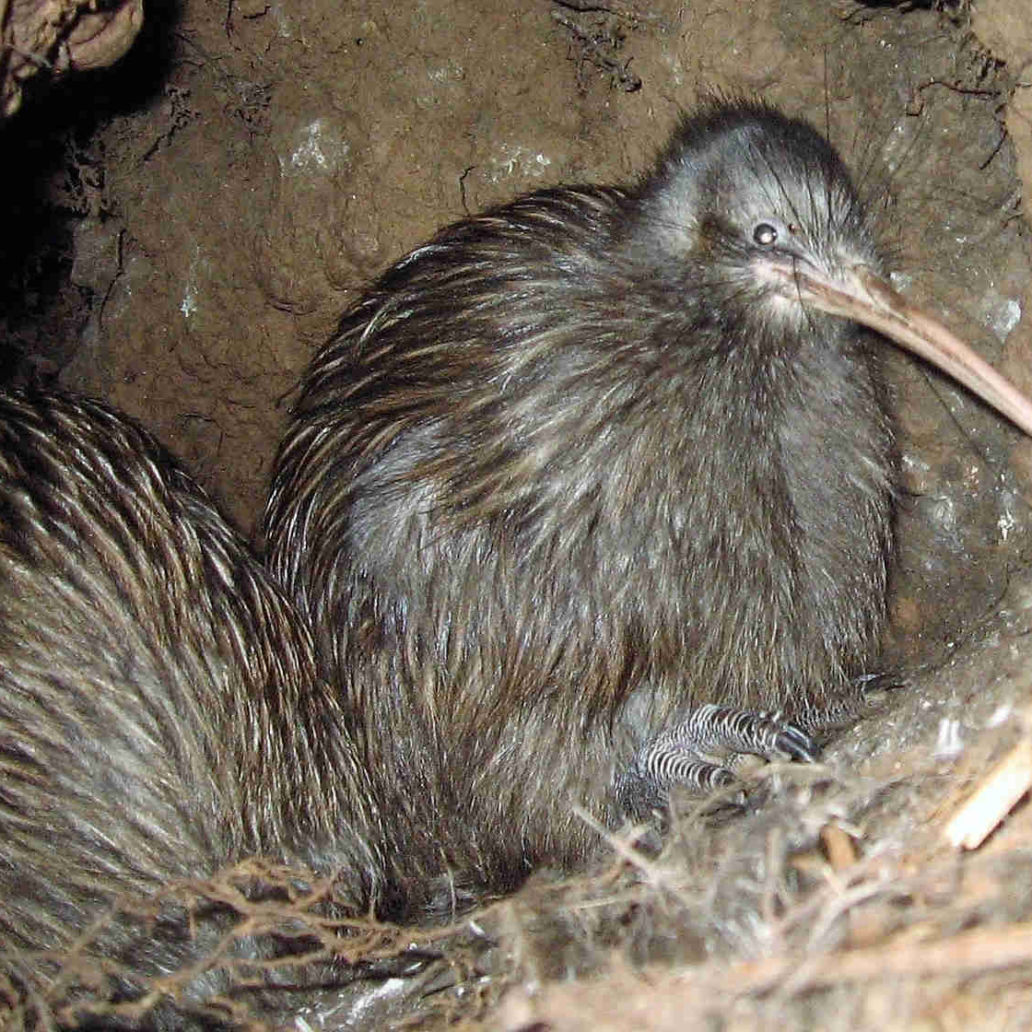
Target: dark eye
(765,234)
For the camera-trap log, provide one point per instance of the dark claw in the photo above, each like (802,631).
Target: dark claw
(681,755)
(796,745)
(713,727)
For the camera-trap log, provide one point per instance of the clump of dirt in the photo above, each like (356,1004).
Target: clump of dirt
(185,229)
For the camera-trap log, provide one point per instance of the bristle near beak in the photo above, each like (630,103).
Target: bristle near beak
(866,298)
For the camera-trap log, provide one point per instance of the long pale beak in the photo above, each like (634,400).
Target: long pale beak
(866,298)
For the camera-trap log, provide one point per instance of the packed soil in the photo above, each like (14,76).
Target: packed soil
(183,229)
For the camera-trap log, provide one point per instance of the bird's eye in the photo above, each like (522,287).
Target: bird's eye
(765,234)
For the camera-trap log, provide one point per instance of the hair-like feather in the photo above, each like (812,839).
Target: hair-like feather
(160,711)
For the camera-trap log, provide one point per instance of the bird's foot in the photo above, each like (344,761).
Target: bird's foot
(684,754)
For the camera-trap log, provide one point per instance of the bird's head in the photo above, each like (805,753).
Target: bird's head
(756,213)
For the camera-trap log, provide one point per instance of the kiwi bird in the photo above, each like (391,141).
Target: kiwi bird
(160,712)
(596,488)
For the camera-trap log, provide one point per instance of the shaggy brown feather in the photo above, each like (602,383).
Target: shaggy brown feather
(160,712)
